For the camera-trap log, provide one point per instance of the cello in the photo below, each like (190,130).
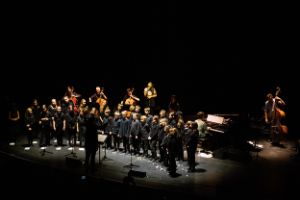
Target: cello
(102,100)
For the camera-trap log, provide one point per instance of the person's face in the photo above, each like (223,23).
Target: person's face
(93,111)
(35,103)
(270,98)
(69,89)
(137,109)
(162,113)
(29,111)
(59,109)
(117,115)
(44,107)
(147,111)
(107,112)
(119,106)
(150,85)
(98,90)
(53,102)
(135,117)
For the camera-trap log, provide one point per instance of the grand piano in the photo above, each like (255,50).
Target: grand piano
(218,127)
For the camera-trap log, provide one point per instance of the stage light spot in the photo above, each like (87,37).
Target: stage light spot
(206,155)
(58,148)
(12,144)
(81,149)
(34,142)
(27,148)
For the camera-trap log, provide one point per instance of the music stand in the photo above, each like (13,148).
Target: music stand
(101,139)
(44,151)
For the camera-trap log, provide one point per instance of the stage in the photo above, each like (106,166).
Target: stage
(265,171)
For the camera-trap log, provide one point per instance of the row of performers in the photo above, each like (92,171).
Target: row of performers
(136,131)
(100,100)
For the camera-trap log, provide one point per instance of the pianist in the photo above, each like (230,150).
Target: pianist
(202,126)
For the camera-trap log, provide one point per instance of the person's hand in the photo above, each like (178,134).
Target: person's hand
(267,121)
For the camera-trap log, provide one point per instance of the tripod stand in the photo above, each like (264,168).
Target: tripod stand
(44,151)
(73,153)
(130,165)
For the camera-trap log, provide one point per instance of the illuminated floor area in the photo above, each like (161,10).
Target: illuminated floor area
(267,171)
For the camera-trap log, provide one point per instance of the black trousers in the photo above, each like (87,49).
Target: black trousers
(116,142)
(145,146)
(172,164)
(126,144)
(191,157)
(90,154)
(29,137)
(45,136)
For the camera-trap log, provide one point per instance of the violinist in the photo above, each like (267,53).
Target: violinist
(72,95)
(273,115)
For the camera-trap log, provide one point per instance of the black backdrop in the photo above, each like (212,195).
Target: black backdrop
(214,59)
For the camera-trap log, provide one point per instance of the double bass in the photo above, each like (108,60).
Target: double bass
(279,114)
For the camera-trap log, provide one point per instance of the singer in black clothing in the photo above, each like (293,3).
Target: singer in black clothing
(45,126)
(172,147)
(192,137)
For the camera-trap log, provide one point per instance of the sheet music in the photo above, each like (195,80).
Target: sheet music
(215,119)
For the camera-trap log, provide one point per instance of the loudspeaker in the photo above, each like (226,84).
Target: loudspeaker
(137,173)
(73,162)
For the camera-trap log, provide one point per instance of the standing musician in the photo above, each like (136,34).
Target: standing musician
(150,95)
(273,116)
(99,99)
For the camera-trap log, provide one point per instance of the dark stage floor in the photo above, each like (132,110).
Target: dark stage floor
(272,172)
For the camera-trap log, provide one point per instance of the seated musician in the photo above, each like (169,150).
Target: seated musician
(98,99)
(130,99)
(202,126)
(72,95)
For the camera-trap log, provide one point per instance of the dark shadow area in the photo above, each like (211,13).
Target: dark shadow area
(200,170)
